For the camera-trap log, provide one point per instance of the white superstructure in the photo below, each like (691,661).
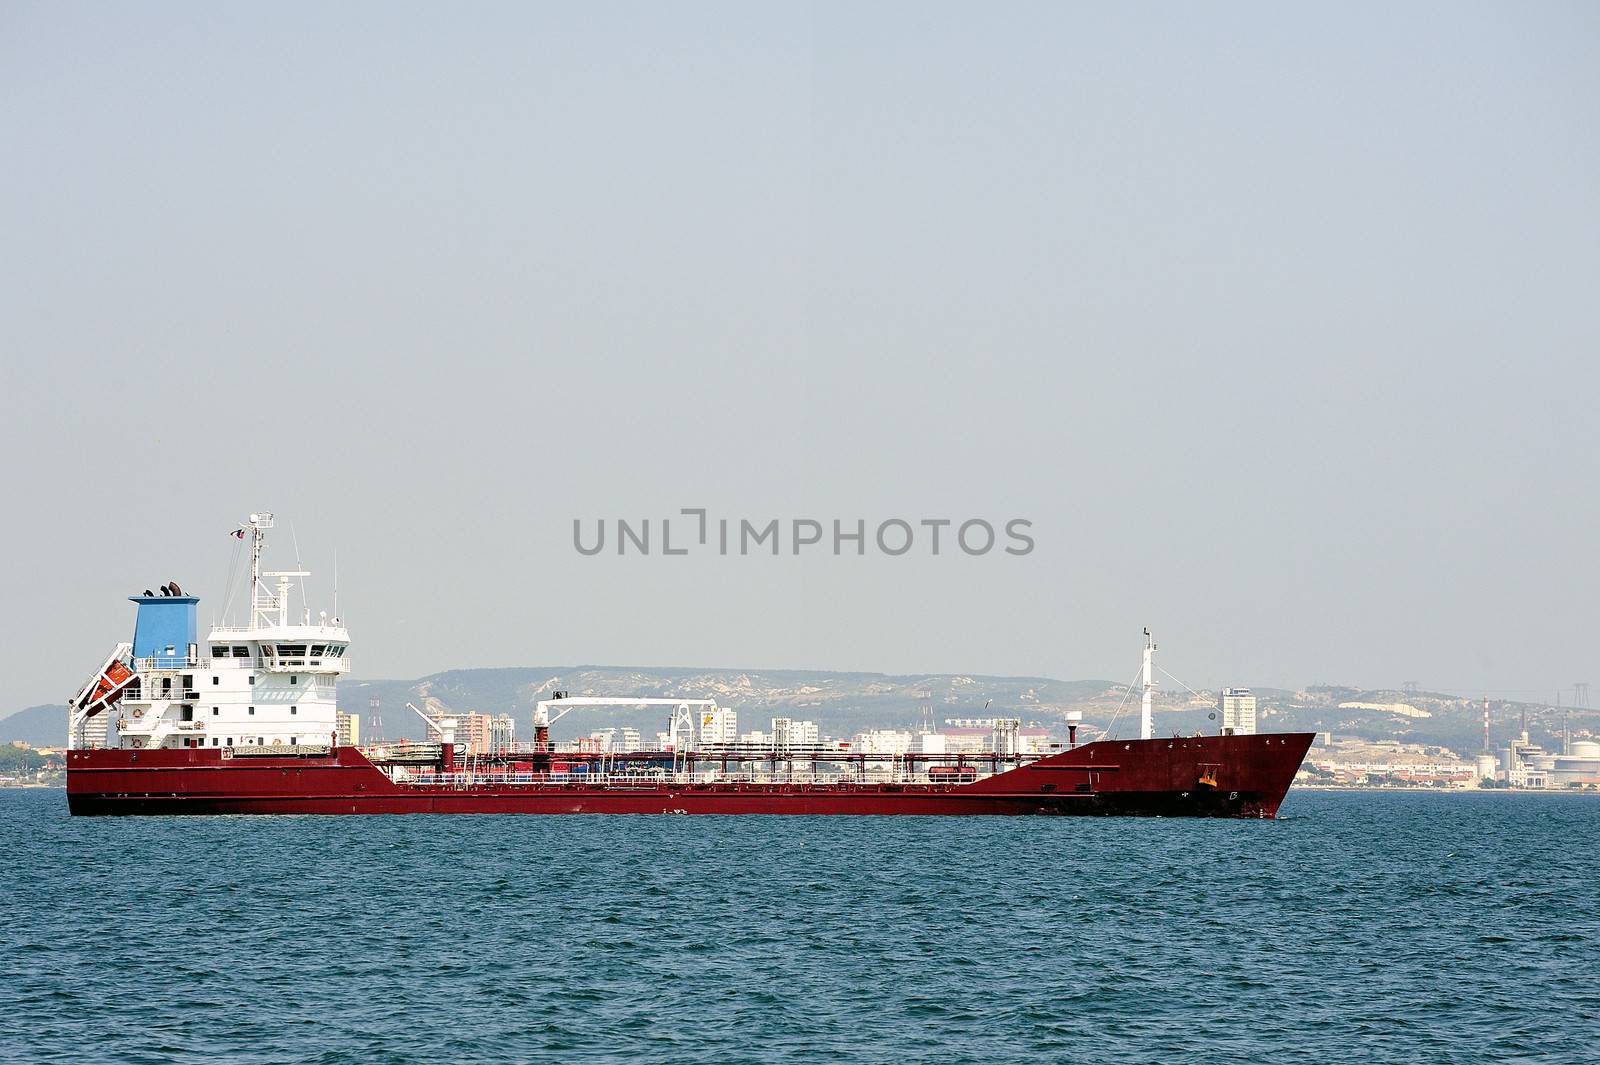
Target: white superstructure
(269,683)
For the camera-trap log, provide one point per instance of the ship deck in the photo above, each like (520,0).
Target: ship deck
(1219,776)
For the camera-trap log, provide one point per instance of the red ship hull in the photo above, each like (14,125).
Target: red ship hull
(1211,776)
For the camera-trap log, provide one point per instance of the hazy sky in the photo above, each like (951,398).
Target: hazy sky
(1280,325)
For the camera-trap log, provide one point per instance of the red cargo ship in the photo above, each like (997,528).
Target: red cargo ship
(247,723)
(1209,776)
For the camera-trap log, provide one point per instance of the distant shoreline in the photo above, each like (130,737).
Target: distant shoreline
(1446,791)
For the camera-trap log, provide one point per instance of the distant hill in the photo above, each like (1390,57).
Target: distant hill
(841,703)
(40,726)
(1431,718)
(845,703)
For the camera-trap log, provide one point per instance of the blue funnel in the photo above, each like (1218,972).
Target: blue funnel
(165,628)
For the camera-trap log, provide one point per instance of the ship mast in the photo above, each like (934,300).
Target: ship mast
(262,602)
(1146,723)
(268,608)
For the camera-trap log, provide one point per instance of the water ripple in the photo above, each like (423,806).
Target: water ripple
(1374,928)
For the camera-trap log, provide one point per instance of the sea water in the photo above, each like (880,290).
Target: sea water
(1381,927)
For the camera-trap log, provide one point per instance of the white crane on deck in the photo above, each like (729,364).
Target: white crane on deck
(681,729)
(443,727)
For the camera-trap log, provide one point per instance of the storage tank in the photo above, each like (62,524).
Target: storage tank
(1580,767)
(1487,767)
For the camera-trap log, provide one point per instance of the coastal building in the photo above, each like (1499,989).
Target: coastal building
(788,734)
(485,733)
(1528,765)
(984,736)
(882,741)
(1238,712)
(95,730)
(719,726)
(614,741)
(1579,767)
(1378,774)
(349,728)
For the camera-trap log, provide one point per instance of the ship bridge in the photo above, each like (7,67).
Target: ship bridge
(281,648)
(267,684)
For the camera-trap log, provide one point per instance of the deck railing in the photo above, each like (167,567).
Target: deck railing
(160,695)
(331,632)
(180,664)
(624,781)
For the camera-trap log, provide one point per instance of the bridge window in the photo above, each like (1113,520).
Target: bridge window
(219,650)
(241,652)
(318,650)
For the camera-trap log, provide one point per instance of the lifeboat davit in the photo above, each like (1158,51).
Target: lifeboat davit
(108,686)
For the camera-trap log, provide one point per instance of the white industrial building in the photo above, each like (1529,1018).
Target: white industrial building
(1527,765)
